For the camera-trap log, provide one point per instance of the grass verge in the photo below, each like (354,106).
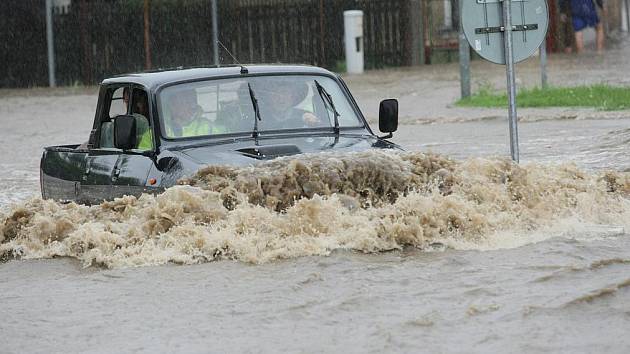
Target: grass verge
(601,97)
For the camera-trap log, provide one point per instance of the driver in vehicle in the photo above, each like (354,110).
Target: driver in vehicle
(184,116)
(280,106)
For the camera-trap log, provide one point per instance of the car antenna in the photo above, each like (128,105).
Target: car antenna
(244,70)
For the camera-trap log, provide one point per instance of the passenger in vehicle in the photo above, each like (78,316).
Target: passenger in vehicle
(237,115)
(184,116)
(279,106)
(140,110)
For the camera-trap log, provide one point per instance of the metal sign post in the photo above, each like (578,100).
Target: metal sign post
(506,32)
(511,82)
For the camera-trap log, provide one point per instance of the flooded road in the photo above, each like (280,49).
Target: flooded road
(559,283)
(562,295)
(591,144)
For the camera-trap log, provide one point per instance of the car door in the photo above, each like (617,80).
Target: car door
(96,183)
(129,176)
(61,169)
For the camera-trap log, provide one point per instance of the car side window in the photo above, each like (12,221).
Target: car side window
(107,135)
(126,100)
(119,102)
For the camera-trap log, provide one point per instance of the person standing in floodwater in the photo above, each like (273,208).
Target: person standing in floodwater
(583,15)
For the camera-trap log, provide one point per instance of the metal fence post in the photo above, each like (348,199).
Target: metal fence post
(322,35)
(215,32)
(50,41)
(415,23)
(543,64)
(147,35)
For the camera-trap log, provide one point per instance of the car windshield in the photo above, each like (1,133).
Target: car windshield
(225,106)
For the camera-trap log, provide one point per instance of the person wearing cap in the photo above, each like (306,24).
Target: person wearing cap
(279,106)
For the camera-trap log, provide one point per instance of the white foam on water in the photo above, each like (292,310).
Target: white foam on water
(312,205)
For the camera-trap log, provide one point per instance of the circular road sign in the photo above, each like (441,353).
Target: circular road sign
(482,21)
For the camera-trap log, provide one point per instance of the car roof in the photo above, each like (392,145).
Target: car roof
(154,79)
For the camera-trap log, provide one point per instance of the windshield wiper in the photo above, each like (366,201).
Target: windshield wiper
(257,117)
(328,102)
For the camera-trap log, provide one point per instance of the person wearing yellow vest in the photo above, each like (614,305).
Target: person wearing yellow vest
(183,117)
(140,111)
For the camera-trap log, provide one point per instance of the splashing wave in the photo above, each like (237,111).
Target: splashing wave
(314,204)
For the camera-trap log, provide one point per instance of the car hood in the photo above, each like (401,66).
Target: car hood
(248,151)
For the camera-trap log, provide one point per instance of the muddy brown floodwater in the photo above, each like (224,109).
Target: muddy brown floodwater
(445,248)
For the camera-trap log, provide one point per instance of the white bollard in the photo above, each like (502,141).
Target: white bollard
(353,29)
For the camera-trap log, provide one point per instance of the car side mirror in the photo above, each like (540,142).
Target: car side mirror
(125,137)
(388,117)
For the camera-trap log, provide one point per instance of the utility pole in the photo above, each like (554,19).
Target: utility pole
(50,41)
(322,35)
(215,32)
(147,35)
